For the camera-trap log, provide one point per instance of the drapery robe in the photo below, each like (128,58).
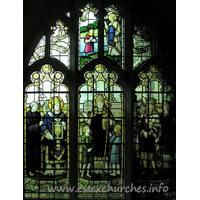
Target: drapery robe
(98,123)
(113,38)
(147,145)
(33,141)
(89,47)
(115,156)
(47,126)
(87,143)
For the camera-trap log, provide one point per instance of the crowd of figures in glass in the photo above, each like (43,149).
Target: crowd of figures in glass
(141,45)
(60,43)
(100,136)
(88,41)
(113,34)
(154,128)
(46,133)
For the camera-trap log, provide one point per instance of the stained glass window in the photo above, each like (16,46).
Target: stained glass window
(88,37)
(39,51)
(114,34)
(101,133)
(154,129)
(94,123)
(60,43)
(46,134)
(141,45)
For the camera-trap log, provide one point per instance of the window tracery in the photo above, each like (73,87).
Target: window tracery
(99,95)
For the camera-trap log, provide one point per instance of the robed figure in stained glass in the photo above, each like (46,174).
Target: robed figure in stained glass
(33,139)
(87,154)
(113,33)
(148,132)
(89,41)
(101,123)
(54,138)
(115,156)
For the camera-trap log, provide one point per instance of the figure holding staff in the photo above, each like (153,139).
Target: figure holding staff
(101,122)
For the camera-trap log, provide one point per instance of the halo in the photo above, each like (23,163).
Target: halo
(52,102)
(113,16)
(105,99)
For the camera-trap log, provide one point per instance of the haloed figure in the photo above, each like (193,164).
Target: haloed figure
(87,156)
(33,139)
(115,157)
(113,31)
(54,137)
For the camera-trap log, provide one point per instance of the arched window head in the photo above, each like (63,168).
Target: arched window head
(114,34)
(154,84)
(60,43)
(142,43)
(39,51)
(88,34)
(47,80)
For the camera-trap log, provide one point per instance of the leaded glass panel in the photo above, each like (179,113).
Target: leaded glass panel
(114,34)
(154,137)
(46,134)
(88,35)
(60,43)
(101,135)
(39,51)
(141,45)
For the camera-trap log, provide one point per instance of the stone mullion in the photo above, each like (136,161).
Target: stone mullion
(73,175)
(128,100)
